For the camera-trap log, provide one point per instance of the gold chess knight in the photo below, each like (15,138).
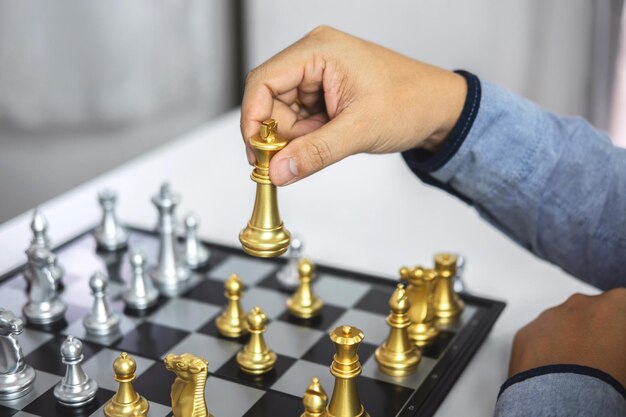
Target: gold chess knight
(265,236)
(188,388)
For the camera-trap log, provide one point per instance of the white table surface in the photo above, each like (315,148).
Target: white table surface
(368,213)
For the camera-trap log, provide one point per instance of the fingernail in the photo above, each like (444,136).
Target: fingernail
(287,171)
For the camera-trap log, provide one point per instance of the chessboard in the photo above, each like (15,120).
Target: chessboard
(185,323)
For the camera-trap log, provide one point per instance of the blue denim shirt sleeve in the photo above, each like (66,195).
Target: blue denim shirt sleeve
(555,185)
(561,391)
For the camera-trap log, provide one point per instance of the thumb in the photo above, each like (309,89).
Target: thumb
(314,151)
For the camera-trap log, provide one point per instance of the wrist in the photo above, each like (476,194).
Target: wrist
(450,101)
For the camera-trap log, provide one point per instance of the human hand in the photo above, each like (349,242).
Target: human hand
(335,95)
(585,330)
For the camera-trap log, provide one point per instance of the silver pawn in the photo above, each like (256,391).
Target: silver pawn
(196,255)
(76,388)
(288,276)
(102,321)
(142,294)
(16,377)
(458,282)
(39,227)
(44,306)
(110,234)
(170,275)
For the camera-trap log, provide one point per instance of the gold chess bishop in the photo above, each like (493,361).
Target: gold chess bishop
(265,236)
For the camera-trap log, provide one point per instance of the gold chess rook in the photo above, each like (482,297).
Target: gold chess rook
(265,236)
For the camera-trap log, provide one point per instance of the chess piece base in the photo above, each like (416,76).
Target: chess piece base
(305,312)
(200,260)
(77,395)
(98,328)
(111,244)
(265,243)
(421,334)
(230,329)
(54,312)
(397,363)
(171,284)
(256,364)
(17,385)
(141,303)
(139,408)
(451,311)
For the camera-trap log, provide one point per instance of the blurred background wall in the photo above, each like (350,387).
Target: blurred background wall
(85,86)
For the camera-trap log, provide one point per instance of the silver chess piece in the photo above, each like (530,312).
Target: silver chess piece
(102,321)
(458,282)
(75,389)
(141,294)
(39,227)
(288,276)
(196,255)
(16,377)
(171,274)
(110,234)
(44,306)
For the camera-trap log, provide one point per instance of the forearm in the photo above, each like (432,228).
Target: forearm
(555,185)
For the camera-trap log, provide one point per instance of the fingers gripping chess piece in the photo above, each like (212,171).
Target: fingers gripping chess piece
(76,388)
(232,322)
(304,303)
(188,388)
(448,305)
(255,357)
(44,307)
(142,294)
(196,255)
(126,402)
(170,275)
(315,400)
(110,234)
(397,356)
(288,277)
(265,235)
(102,321)
(16,377)
(345,400)
(423,329)
(39,227)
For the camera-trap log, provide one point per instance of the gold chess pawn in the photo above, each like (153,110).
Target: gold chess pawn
(423,329)
(304,303)
(255,357)
(126,402)
(397,356)
(232,322)
(345,401)
(187,392)
(448,305)
(265,236)
(315,400)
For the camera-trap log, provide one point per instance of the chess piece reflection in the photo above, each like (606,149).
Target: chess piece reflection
(304,303)
(126,402)
(448,305)
(345,400)
(188,388)
(255,357)
(232,322)
(397,356)
(16,377)
(315,400)
(44,307)
(265,236)
(423,329)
